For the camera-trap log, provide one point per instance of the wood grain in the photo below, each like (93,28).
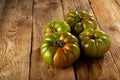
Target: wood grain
(21,33)
(118,2)
(2,4)
(44,12)
(102,68)
(109,21)
(15,40)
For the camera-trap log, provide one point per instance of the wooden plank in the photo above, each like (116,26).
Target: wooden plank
(118,2)
(44,12)
(109,20)
(2,4)
(15,40)
(102,68)
(76,5)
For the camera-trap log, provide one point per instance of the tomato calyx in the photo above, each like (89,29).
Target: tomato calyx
(54,30)
(78,18)
(92,36)
(59,43)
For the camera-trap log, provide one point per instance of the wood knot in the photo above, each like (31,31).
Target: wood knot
(112,29)
(12,7)
(53,5)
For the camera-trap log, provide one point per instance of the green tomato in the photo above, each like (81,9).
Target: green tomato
(94,43)
(79,21)
(56,26)
(60,49)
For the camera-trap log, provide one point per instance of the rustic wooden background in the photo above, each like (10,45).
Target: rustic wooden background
(21,32)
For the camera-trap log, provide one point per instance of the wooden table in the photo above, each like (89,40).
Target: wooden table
(21,32)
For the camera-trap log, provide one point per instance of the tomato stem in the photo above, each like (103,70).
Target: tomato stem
(92,36)
(53,30)
(59,43)
(78,18)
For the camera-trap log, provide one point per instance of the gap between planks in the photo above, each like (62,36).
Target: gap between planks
(52,10)
(31,39)
(118,3)
(85,6)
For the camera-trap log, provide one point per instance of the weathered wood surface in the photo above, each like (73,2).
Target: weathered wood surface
(44,12)
(2,5)
(105,68)
(15,40)
(21,32)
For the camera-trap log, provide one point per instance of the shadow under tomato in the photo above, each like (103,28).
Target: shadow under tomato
(88,68)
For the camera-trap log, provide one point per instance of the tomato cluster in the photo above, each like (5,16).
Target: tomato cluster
(79,21)
(64,41)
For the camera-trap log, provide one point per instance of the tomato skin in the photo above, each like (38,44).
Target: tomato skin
(79,21)
(94,43)
(56,26)
(60,49)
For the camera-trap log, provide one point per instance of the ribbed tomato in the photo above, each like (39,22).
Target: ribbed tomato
(94,43)
(60,49)
(79,21)
(56,26)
